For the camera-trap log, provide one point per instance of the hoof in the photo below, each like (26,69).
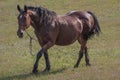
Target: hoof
(34,71)
(46,70)
(76,66)
(88,64)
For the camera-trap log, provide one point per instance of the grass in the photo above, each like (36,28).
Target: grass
(16,63)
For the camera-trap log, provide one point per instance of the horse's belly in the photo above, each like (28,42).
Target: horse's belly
(66,39)
(64,42)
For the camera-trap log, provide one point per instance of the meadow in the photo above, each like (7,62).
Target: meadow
(16,63)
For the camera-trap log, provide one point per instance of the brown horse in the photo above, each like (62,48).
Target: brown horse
(52,29)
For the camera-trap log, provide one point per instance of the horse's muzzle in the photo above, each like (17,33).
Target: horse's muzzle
(20,34)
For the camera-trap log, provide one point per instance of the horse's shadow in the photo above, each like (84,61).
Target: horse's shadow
(23,76)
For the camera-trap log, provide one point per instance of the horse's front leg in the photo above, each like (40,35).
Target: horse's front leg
(43,51)
(37,60)
(47,61)
(45,48)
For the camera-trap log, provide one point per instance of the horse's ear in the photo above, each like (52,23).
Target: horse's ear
(25,8)
(18,8)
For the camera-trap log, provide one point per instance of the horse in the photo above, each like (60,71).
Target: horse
(53,29)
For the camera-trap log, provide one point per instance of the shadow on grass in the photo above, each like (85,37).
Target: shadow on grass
(24,76)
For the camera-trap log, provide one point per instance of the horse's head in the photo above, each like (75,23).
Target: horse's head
(24,20)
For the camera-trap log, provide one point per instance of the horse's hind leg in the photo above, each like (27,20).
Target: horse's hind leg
(79,59)
(87,57)
(83,45)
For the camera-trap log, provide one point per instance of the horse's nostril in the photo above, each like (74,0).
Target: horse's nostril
(21,33)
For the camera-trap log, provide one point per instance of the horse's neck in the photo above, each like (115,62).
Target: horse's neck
(34,21)
(35,25)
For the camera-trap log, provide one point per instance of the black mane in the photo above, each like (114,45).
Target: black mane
(45,16)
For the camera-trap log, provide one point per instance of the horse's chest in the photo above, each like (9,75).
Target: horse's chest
(42,35)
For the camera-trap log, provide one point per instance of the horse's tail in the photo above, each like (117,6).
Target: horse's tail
(96,28)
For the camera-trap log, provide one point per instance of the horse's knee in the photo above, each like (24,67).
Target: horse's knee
(40,53)
(47,45)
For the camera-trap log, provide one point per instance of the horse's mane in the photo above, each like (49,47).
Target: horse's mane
(45,16)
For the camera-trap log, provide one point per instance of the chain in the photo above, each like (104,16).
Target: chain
(30,45)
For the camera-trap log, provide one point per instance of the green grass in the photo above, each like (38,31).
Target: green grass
(16,63)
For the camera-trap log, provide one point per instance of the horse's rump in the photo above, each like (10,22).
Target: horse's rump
(90,23)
